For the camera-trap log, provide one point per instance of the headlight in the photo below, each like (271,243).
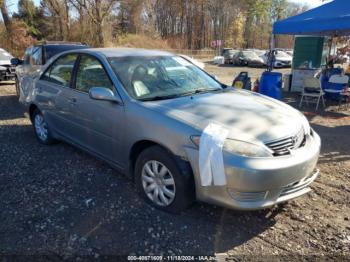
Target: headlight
(241,148)
(2,68)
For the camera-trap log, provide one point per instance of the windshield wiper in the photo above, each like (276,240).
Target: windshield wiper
(155,98)
(192,92)
(199,91)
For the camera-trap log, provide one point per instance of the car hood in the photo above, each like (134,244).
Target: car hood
(257,59)
(5,62)
(248,116)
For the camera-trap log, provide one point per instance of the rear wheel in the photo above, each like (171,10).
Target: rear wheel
(161,182)
(41,128)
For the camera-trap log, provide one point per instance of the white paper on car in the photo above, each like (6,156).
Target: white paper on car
(211,163)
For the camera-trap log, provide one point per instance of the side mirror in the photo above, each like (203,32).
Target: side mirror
(16,61)
(103,93)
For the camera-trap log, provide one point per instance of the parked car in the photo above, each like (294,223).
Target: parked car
(228,55)
(144,112)
(259,52)
(38,55)
(282,59)
(290,52)
(248,58)
(7,70)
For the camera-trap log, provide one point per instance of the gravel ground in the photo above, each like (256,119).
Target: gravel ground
(59,201)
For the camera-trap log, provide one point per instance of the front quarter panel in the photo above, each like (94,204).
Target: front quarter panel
(143,123)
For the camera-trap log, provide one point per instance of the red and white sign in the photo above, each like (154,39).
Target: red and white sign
(216,43)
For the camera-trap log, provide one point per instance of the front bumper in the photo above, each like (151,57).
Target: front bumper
(255,183)
(7,75)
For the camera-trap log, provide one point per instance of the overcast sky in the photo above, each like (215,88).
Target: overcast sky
(12,4)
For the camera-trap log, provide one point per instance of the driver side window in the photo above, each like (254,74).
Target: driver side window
(91,74)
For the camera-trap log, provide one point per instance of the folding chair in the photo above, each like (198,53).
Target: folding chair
(312,89)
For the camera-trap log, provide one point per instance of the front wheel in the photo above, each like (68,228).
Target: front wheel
(161,182)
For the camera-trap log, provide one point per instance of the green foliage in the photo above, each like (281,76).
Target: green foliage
(30,15)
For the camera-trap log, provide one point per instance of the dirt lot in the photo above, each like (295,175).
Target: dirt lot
(226,73)
(59,201)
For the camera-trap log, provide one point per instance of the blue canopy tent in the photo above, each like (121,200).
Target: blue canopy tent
(330,19)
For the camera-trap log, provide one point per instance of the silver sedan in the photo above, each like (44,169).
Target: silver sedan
(144,112)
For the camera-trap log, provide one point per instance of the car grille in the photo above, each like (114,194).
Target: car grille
(283,146)
(12,69)
(247,196)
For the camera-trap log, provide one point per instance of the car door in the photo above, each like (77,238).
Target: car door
(53,95)
(101,123)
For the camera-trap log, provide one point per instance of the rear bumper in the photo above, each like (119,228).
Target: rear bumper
(255,183)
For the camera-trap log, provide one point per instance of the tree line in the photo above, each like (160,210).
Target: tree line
(181,24)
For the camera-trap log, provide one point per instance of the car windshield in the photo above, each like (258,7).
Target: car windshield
(161,77)
(259,52)
(282,54)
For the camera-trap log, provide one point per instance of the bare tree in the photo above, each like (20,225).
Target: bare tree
(60,11)
(98,11)
(5,16)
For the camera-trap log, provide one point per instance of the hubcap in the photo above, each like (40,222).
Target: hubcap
(158,183)
(40,127)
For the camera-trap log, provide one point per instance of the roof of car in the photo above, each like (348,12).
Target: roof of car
(120,52)
(60,43)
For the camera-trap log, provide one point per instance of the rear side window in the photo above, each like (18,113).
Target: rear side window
(60,72)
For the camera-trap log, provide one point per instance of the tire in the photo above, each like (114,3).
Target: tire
(41,128)
(176,179)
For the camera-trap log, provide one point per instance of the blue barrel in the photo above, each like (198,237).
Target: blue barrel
(271,84)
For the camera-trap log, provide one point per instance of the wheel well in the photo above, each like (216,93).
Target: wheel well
(138,147)
(135,151)
(32,108)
